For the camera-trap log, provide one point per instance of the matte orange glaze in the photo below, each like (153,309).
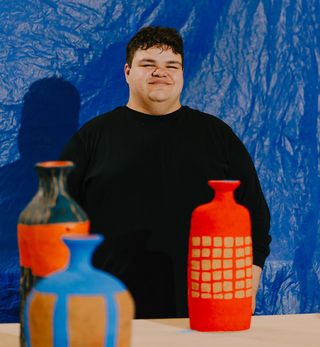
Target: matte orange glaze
(52,164)
(87,321)
(41,246)
(41,325)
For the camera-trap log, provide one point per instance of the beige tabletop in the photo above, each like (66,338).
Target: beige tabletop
(269,331)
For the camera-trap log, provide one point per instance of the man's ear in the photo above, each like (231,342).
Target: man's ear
(126,71)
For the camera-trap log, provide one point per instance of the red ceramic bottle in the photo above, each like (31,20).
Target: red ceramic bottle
(220,263)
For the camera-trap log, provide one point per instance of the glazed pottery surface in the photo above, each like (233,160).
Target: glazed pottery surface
(50,214)
(81,306)
(220,263)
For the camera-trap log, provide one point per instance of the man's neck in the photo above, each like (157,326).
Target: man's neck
(156,109)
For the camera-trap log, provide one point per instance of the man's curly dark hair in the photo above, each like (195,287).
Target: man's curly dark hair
(155,36)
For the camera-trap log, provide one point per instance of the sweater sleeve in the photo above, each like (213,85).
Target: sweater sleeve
(250,195)
(75,152)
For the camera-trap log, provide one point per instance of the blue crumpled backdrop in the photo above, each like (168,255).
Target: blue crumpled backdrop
(253,63)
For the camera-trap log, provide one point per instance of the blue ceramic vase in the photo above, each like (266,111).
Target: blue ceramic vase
(80,306)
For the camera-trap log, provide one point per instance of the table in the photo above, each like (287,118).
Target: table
(266,331)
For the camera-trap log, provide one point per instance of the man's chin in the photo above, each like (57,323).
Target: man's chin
(158,97)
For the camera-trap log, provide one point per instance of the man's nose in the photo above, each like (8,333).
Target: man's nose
(159,72)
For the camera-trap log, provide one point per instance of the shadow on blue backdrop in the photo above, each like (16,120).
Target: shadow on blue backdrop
(50,116)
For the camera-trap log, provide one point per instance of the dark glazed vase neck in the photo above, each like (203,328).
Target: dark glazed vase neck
(53,177)
(224,190)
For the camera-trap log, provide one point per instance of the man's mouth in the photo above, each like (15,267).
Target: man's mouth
(159,83)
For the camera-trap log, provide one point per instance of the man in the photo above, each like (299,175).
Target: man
(142,168)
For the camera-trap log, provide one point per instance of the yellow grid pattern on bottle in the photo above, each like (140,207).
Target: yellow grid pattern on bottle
(221,267)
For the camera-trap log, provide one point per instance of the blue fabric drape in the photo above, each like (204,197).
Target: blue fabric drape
(253,63)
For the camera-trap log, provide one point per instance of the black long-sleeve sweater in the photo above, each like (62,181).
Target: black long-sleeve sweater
(139,177)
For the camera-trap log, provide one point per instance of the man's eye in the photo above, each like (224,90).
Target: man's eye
(172,67)
(148,65)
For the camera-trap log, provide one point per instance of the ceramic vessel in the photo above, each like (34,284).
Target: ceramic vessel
(81,306)
(50,214)
(220,263)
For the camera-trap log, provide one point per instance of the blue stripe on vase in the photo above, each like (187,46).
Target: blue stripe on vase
(60,322)
(26,320)
(112,321)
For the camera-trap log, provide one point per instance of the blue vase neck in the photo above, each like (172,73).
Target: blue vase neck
(81,249)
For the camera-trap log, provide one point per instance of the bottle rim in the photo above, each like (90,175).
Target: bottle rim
(54,164)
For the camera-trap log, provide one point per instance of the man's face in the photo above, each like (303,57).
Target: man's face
(155,77)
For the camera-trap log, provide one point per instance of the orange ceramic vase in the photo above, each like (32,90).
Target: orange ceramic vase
(220,263)
(50,214)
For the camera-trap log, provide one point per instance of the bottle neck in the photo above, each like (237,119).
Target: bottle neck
(225,197)
(52,181)
(224,190)
(81,249)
